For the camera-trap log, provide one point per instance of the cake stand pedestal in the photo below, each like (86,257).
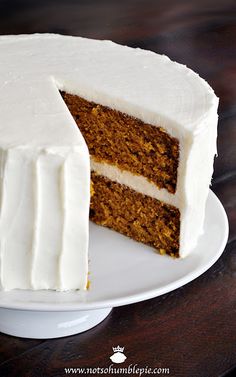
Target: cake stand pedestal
(45,325)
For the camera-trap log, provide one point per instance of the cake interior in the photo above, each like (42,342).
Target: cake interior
(142,149)
(135,215)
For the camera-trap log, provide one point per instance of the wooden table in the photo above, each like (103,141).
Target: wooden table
(191,331)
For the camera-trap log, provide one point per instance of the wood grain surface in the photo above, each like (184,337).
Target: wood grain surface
(191,331)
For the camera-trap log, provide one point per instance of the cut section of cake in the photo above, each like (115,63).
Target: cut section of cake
(148,126)
(119,145)
(150,182)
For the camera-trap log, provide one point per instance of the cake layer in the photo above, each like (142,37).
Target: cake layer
(138,216)
(127,142)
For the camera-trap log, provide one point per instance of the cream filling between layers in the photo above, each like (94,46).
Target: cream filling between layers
(136,182)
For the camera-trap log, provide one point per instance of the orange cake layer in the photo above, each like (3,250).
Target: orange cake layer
(138,216)
(126,142)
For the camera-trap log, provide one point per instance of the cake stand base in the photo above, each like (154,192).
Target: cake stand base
(45,325)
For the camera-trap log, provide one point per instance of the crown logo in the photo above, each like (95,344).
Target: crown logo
(118,349)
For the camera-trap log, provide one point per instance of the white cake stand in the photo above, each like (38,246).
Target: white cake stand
(122,272)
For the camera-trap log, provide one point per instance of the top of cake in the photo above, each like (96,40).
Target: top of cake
(151,87)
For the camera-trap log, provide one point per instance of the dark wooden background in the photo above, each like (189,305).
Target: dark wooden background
(192,330)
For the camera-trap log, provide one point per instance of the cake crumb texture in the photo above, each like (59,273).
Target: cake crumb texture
(127,142)
(138,216)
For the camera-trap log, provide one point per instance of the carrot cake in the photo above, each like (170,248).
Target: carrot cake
(78,116)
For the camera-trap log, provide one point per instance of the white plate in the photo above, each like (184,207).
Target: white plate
(124,271)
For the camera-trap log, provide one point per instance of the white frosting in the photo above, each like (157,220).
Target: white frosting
(44,218)
(44,159)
